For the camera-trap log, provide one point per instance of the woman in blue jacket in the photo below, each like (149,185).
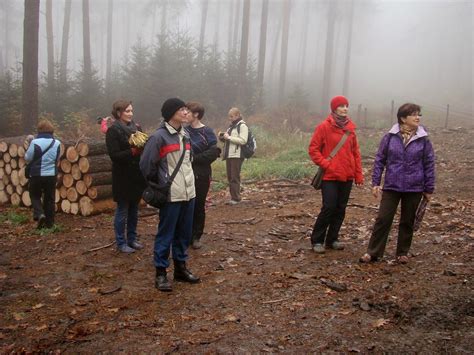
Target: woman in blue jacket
(42,157)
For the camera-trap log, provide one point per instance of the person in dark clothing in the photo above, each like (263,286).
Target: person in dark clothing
(339,173)
(127,180)
(407,156)
(205,151)
(43,154)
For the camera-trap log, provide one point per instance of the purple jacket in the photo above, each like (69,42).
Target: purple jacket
(408,169)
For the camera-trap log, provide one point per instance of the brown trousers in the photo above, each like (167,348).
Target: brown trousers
(383,223)
(234,166)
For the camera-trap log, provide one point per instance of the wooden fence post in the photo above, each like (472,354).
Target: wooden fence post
(447,116)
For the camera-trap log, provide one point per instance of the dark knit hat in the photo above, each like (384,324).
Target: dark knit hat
(170,107)
(338,101)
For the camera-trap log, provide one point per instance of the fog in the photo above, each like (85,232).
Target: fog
(419,51)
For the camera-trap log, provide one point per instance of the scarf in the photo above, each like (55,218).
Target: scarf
(341,121)
(407,132)
(128,128)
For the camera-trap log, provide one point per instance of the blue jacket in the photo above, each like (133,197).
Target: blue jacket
(47,165)
(409,168)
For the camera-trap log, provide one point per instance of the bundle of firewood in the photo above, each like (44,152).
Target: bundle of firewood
(84,176)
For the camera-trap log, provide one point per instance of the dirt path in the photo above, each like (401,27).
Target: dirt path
(262,289)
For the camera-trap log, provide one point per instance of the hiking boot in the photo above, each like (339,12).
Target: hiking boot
(161,280)
(196,244)
(181,273)
(126,249)
(41,221)
(336,246)
(135,245)
(319,248)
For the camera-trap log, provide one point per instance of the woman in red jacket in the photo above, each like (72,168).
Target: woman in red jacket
(339,173)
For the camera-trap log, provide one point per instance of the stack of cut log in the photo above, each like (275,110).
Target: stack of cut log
(84,176)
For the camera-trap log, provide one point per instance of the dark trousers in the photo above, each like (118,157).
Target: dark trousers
(43,187)
(234,166)
(174,232)
(125,222)
(202,188)
(335,197)
(383,223)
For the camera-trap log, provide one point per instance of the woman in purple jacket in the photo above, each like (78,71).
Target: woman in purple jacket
(407,156)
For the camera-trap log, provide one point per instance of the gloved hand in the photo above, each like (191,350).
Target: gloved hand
(136,151)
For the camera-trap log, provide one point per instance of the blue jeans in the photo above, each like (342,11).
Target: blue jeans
(174,231)
(126,217)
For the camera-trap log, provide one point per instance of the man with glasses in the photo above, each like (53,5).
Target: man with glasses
(169,148)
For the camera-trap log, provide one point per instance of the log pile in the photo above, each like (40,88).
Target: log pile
(84,184)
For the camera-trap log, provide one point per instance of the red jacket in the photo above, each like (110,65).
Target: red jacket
(346,165)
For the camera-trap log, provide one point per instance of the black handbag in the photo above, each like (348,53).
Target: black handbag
(30,164)
(318,178)
(157,195)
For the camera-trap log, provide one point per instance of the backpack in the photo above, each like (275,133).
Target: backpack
(249,148)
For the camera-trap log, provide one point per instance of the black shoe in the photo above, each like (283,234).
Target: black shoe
(161,280)
(181,273)
(41,222)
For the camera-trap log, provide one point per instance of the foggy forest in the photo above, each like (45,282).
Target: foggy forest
(81,229)
(264,56)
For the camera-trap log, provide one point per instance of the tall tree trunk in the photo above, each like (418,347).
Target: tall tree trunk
(347,64)
(244,50)
(218,30)
(30,65)
(108,73)
(205,6)
(231,27)
(275,49)
(86,39)
(236,26)
(262,51)
(328,56)
(50,43)
(164,15)
(304,42)
(7,32)
(284,49)
(64,45)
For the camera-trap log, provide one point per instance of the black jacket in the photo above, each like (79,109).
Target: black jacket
(127,180)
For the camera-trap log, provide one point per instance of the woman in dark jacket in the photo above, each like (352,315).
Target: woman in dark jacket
(339,173)
(205,151)
(127,180)
(407,156)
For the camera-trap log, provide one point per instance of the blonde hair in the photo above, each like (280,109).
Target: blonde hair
(45,126)
(234,111)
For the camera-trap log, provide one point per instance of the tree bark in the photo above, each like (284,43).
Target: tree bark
(99,192)
(328,56)
(101,178)
(205,6)
(87,207)
(284,50)
(50,43)
(244,49)
(108,74)
(95,164)
(86,43)
(30,64)
(347,63)
(65,45)
(262,51)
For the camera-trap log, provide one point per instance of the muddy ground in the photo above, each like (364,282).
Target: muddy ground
(262,290)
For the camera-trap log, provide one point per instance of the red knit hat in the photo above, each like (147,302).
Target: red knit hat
(338,101)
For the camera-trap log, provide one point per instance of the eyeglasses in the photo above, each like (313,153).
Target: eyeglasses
(183,109)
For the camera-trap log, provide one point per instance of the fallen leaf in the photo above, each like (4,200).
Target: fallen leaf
(38,306)
(18,316)
(113,310)
(42,327)
(380,323)
(3,275)
(56,294)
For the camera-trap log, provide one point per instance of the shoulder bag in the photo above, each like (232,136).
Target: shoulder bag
(318,178)
(157,195)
